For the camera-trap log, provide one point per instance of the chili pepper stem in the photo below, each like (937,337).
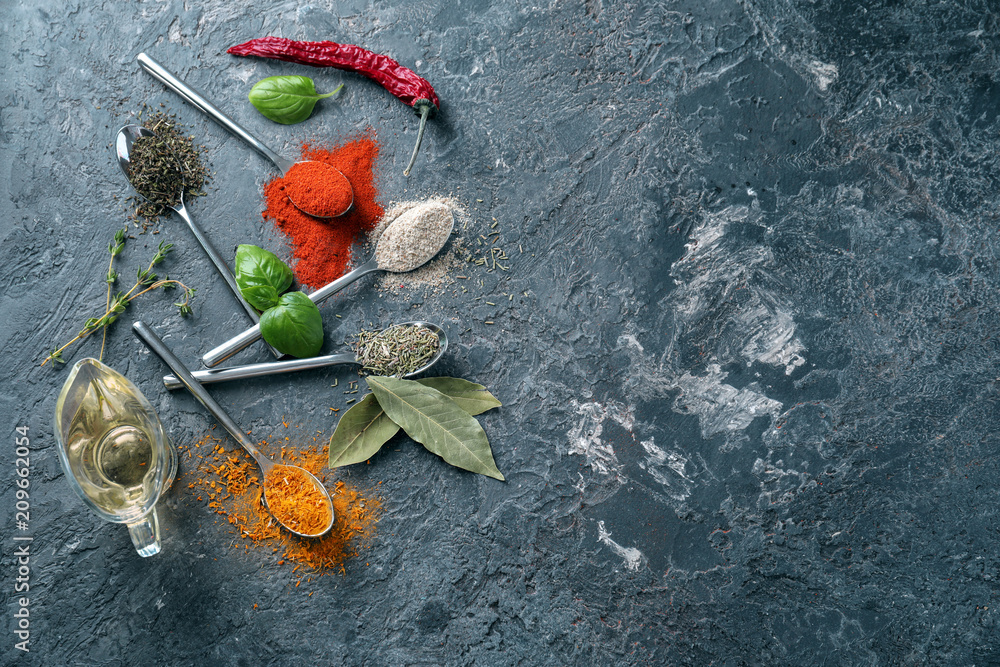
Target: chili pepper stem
(425,107)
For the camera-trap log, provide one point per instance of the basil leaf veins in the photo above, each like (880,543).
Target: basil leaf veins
(294,326)
(261,276)
(286,99)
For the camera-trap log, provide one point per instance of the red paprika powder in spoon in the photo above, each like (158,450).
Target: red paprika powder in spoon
(310,188)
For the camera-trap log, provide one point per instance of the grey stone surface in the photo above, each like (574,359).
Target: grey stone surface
(748,373)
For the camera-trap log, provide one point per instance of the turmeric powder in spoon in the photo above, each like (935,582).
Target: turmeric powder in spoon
(296,500)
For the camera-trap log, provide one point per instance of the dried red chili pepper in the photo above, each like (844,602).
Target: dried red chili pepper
(402,82)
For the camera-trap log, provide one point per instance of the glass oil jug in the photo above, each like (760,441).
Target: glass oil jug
(114,450)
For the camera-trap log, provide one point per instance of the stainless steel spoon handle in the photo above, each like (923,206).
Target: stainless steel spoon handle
(221,267)
(258,370)
(217,355)
(149,338)
(217,260)
(168,79)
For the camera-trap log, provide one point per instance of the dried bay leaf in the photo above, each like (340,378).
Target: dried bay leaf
(437,422)
(365,427)
(471,397)
(360,433)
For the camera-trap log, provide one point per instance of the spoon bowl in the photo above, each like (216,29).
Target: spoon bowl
(127,136)
(268,489)
(442,345)
(276,367)
(149,338)
(331,177)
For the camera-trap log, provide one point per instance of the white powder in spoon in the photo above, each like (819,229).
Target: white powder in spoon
(414,236)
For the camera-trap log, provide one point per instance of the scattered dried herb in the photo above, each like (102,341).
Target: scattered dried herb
(145,281)
(184,153)
(436,412)
(397,351)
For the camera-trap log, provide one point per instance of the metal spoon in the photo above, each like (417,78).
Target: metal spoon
(217,355)
(275,367)
(123,146)
(199,101)
(144,333)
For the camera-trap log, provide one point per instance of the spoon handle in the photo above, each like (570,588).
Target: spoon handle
(217,261)
(220,266)
(258,370)
(168,79)
(217,355)
(149,338)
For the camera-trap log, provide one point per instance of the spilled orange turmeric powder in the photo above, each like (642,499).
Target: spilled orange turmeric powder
(230,481)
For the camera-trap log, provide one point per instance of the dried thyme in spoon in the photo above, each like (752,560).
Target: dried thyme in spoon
(396,351)
(182,150)
(155,173)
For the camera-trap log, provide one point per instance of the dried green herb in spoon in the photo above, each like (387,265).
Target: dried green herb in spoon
(155,173)
(190,157)
(396,351)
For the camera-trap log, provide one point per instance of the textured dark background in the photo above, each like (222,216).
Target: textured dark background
(749,372)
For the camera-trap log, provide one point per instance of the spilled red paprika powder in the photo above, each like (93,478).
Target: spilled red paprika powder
(322,248)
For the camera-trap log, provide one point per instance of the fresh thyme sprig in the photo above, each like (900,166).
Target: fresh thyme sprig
(114,249)
(145,281)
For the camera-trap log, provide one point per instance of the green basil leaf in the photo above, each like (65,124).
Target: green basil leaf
(294,326)
(260,297)
(471,397)
(360,433)
(436,422)
(261,276)
(286,99)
